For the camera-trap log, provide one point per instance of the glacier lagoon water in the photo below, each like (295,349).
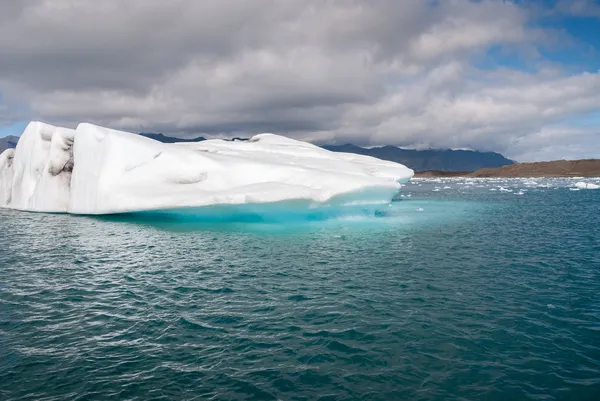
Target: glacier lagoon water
(462,289)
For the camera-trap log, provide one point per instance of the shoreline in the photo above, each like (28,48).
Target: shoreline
(586,168)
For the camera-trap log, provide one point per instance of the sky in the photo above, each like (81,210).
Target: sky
(517,77)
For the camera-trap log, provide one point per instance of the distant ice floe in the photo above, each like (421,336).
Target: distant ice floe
(586,185)
(96,170)
(508,186)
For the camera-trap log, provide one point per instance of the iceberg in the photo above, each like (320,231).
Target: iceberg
(95,170)
(586,185)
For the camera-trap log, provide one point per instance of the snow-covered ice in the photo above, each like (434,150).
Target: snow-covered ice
(41,169)
(6,176)
(586,185)
(96,170)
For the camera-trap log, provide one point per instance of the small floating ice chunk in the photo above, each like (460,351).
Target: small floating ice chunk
(586,185)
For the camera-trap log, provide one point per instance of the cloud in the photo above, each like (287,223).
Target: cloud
(579,8)
(568,141)
(368,72)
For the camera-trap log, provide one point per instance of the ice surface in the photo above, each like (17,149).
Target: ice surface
(95,170)
(41,169)
(121,172)
(6,176)
(586,185)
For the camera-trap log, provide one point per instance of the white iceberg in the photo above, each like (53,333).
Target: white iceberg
(586,185)
(95,170)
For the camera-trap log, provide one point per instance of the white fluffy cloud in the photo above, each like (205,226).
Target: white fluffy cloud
(368,72)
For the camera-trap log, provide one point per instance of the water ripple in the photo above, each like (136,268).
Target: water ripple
(480,295)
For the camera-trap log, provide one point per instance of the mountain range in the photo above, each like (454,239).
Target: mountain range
(8,142)
(418,160)
(430,159)
(169,139)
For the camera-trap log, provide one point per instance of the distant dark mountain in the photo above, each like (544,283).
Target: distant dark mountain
(432,159)
(168,139)
(418,160)
(8,143)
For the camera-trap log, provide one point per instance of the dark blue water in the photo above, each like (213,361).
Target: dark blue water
(462,291)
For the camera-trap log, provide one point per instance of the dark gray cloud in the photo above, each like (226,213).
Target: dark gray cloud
(369,72)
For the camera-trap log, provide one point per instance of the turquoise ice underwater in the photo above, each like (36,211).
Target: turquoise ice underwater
(462,289)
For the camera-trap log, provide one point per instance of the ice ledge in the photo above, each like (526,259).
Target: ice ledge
(96,170)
